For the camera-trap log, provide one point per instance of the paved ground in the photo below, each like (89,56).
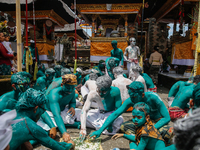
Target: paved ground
(107,143)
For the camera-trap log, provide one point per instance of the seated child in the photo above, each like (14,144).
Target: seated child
(147,136)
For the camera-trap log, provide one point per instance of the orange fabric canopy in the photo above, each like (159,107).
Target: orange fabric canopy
(183,51)
(104,48)
(43,48)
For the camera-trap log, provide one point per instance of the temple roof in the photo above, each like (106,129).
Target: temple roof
(57,5)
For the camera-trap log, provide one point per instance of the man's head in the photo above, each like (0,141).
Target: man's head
(57,69)
(93,76)
(79,71)
(15,55)
(196,79)
(32,100)
(132,41)
(156,48)
(140,113)
(20,81)
(65,71)
(187,133)
(32,43)
(191,79)
(103,85)
(136,70)
(68,83)
(114,44)
(50,73)
(113,62)
(136,91)
(117,71)
(2,38)
(101,64)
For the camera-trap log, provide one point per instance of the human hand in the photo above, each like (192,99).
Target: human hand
(73,144)
(66,145)
(52,133)
(116,136)
(66,137)
(71,111)
(95,134)
(82,135)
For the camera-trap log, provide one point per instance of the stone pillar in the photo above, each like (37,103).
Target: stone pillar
(126,26)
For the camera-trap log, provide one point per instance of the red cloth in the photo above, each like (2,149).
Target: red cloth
(4,56)
(152,89)
(177,113)
(134,60)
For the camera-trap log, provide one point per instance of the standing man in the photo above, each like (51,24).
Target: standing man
(155,60)
(133,52)
(31,55)
(116,52)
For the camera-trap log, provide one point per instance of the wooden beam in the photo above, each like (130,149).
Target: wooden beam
(166,8)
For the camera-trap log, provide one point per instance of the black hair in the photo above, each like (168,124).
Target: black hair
(187,133)
(15,54)
(156,48)
(196,79)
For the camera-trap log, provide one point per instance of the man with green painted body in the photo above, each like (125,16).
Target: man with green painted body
(176,88)
(116,52)
(100,67)
(111,63)
(57,69)
(179,107)
(58,98)
(137,94)
(44,81)
(149,82)
(20,83)
(41,71)
(32,50)
(146,136)
(29,108)
(78,74)
(57,81)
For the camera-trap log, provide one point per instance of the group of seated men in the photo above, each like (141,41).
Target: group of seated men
(51,104)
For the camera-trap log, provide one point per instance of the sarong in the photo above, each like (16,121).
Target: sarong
(95,119)
(152,89)
(64,116)
(154,73)
(166,131)
(177,113)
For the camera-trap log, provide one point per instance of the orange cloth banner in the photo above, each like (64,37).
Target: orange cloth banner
(104,48)
(43,48)
(183,51)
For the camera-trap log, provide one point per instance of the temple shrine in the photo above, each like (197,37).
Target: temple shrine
(109,22)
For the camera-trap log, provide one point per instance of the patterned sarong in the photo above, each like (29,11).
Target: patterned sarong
(177,113)
(166,131)
(148,130)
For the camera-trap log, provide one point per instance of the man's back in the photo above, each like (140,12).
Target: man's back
(91,85)
(155,58)
(121,83)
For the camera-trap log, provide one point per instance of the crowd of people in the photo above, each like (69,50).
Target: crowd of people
(32,113)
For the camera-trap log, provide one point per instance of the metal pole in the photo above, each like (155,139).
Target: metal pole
(142,24)
(19,38)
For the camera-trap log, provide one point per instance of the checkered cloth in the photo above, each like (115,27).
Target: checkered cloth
(177,113)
